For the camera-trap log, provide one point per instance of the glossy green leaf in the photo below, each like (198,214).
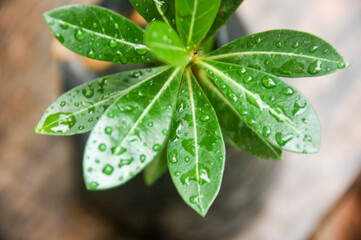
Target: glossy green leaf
(156,168)
(196,151)
(227,8)
(98,33)
(131,132)
(234,129)
(285,53)
(269,106)
(161,10)
(194,19)
(78,110)
(165,43)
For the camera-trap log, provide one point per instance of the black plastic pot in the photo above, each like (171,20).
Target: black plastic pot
(158,212)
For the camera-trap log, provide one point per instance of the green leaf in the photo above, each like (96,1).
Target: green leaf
(156,168)
(78,110)
(131,132)
(196,151)
(227,8)
(98,33)
(194,19)
(284,53)
(269,106)
(234,129)
(161,10)
(165,44)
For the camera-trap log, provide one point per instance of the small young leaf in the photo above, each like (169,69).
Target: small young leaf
(161,10)
(234,129)
(98,33)
(78,110)
(131,132)
(226,9)
(194,19)
(165,43)
(196,151)
(284,53)
(268,106)
(156,168)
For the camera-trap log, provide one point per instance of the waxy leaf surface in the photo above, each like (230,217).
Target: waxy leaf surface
(98,33)
(233,127)
(156,168)
(131,132)
(194,19)
(161,10)
(196,151)
(227,8)
(269,106)
(284,53)
(78,110)
(166,44)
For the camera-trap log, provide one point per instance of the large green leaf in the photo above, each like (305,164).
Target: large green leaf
(131,132)
(268,106)
(165,43)
(98,33)
(162,10)
(226,9)
(194,19)
(78,110)
(234,129)
(196,151)
(284,53)
(156,168)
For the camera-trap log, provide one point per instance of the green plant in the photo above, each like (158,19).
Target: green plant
(182,110)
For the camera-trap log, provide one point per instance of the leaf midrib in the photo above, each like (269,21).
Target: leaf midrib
(192,22)
(146,110)
(225,100)
(222,75)
(157,5)
(190,90)
(105,100)
(134,45)
(227,55)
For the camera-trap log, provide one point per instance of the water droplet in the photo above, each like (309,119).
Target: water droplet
(146,11)
(295,44)
(58,122)
(110,115)
(315,67)
(91,54)
(108,169)
(305,120)
(51,22)
(307,138)
(108,130)
(299,107)
(81,127)
(62,103)
(95,25)
(118,150)
(102,147)
(116,26)
(187,159)
(142,158)
(59,37)
(113,43)
(341,65)
(268,82)
(203,174)
(165,132)
(156,147)
(247,79)
(288,91)
(150,124)
(241,71)
(140,50)
(173,157)
(279,44)
(283,138)
(197,201)
(124,162)
(266,131)
(313,48)
(88,93)
(79,34)
(92,185)
(205,118)
(90,169)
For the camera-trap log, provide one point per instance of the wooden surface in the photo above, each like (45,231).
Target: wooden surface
(38,195)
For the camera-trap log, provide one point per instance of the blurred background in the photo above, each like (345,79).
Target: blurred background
(42,196)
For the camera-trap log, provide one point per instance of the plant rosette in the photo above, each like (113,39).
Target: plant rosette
(177,116)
